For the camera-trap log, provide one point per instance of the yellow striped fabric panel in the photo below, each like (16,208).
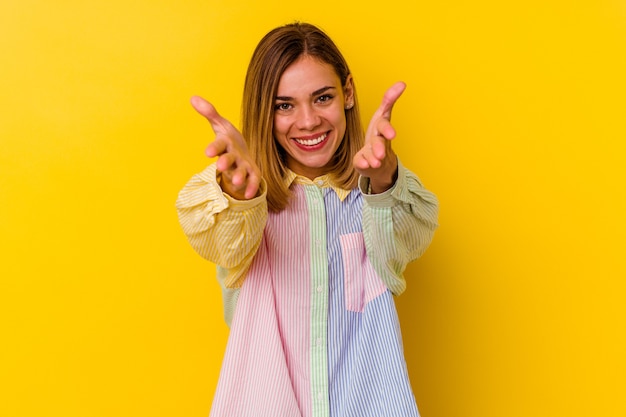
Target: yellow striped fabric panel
(221,229)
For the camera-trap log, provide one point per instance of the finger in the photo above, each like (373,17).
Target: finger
(238,177)
(254,181)
(384,110)
(360,162)
(389,99)
(232,184)
(206,109)
(225,163)
(366,159)
(385,129)
(215,148)
(378,148)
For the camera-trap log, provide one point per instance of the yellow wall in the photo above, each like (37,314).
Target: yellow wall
(515,115)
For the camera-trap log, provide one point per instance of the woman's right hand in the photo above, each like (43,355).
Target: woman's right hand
(240,176)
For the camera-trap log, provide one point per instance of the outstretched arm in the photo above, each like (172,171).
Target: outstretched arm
(223,209)
(398,225)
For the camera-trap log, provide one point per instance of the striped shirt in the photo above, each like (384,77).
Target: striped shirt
(308,294)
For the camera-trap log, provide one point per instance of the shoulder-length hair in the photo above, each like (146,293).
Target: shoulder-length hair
(280,48)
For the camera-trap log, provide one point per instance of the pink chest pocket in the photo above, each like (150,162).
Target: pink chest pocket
(361,283)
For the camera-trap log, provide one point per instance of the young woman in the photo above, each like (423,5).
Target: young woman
(311,223)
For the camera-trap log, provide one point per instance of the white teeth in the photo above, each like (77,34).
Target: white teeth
(311,142)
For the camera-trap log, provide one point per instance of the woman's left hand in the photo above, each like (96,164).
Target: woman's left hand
(376,160)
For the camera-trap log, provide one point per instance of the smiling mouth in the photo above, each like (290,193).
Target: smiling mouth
(311,141)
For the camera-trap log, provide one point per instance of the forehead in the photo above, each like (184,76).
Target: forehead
(306,75)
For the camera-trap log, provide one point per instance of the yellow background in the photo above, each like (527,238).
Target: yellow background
(515,115)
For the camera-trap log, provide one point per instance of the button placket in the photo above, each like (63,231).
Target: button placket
(319,299)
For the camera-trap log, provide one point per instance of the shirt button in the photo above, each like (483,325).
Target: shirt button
(320,396)
(320,288)
(319,341)
(320,182)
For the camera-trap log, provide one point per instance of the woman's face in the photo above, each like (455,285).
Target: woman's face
(309,115)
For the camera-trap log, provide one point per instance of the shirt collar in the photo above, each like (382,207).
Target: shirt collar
(323,181)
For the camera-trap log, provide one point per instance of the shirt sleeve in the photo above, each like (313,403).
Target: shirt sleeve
(398,226)
(221,229)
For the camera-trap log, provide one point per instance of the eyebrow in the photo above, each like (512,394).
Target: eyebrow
(314,93)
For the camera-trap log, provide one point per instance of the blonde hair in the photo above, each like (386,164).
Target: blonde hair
(280,48)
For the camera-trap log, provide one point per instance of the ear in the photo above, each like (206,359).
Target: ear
(348,93)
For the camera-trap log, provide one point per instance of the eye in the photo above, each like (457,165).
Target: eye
(283,106)
(325,98)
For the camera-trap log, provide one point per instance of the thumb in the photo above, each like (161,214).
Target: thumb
(389,99)
(206,109)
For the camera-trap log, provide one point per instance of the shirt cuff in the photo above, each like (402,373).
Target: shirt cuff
(387,198)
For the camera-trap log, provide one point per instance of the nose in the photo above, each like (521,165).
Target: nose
(308,118)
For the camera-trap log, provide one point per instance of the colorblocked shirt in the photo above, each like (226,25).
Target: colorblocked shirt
(309,294)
